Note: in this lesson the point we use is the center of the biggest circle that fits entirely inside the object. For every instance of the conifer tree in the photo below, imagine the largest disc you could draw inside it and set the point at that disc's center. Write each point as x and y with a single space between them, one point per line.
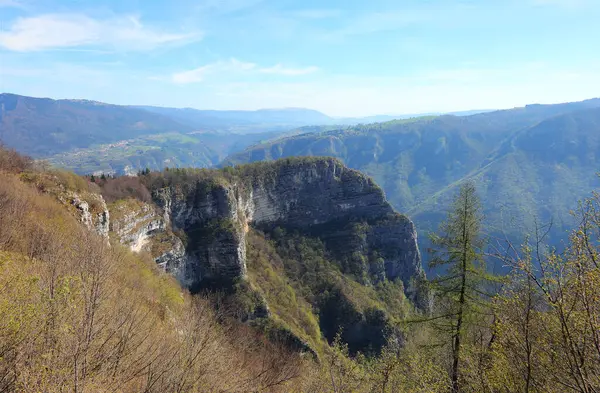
457 255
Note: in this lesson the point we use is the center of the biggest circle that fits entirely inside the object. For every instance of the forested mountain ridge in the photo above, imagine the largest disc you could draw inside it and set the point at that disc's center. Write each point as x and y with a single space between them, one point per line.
93 137
41 126
536 174
418 163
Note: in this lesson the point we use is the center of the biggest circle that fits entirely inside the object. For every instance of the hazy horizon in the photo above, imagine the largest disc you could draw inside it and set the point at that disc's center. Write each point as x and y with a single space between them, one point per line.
433 112
270 108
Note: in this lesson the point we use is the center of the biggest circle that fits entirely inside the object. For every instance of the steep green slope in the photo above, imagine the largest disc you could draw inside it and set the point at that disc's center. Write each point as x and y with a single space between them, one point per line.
312 299
536 174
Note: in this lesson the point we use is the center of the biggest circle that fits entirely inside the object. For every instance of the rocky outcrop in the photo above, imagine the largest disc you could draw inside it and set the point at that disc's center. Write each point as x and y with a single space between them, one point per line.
135 222
97 220
76 195
143 228
214 231
317 196
90 208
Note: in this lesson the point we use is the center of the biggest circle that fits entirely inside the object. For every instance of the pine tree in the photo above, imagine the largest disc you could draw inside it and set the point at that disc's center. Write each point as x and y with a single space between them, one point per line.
93 179
457 253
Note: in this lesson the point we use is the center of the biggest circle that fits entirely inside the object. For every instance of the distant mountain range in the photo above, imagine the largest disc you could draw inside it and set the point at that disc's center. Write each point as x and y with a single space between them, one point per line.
384 118
243 121
531 163
42 127
273 119
93 137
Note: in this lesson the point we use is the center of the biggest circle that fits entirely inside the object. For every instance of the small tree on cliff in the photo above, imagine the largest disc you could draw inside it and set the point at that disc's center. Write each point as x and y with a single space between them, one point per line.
459 288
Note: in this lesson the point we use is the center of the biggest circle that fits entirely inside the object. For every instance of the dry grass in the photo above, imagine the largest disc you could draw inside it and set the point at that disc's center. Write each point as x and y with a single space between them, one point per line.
79 315
13 162
114 189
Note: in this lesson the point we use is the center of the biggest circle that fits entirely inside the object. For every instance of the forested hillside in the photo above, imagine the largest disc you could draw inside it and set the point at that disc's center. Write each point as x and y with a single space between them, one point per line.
531 163
536 175
93 137
42 126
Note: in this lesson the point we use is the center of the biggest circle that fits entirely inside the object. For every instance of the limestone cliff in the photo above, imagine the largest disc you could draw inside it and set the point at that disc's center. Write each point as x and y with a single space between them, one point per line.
91 209
318 196
142 227
306 247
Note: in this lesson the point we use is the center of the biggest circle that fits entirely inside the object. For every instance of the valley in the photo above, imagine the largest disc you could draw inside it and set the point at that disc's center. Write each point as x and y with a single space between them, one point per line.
309 241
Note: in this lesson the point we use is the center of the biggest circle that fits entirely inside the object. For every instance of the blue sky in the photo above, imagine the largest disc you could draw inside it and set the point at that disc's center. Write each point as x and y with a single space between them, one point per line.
343 57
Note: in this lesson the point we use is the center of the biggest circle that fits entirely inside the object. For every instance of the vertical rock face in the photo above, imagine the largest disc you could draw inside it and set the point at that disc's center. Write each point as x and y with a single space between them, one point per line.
402 257
91 209
309 194
142 227
214 235
319 197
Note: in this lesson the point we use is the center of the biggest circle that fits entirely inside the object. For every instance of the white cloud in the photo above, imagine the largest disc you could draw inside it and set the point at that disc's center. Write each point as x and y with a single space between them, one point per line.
11 4
234 66
59 31
191 76
200 73
279 69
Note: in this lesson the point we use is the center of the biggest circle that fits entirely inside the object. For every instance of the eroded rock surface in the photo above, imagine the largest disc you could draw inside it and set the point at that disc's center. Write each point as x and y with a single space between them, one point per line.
319 197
